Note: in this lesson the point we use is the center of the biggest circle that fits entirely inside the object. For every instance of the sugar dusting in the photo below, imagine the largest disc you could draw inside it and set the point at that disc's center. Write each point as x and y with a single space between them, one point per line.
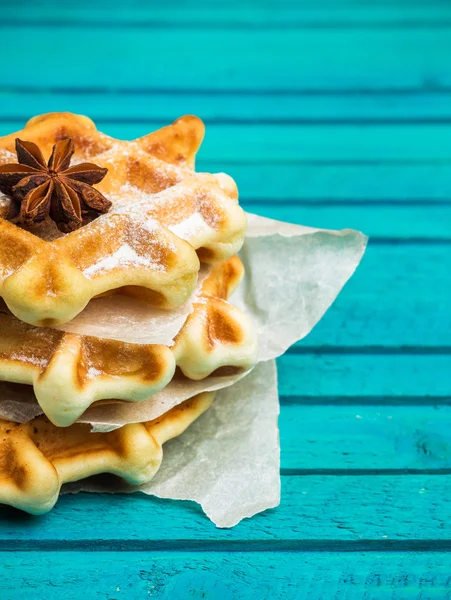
179 208
190 227
29 358
93 373
124 256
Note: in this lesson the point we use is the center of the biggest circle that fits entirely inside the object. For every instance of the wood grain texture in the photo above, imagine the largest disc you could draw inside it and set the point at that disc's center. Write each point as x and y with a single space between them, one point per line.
227 575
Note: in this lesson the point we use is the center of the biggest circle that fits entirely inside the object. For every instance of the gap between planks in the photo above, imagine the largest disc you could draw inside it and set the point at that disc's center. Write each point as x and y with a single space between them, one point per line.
243 545
362 472
56 89
294 400
234 16
215 25
248 121
370 350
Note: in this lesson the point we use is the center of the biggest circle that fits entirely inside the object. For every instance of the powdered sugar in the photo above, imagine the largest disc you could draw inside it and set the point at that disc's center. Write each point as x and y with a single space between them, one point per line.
125 256
131 199
190 227
30 359
127 195
93 373
179 208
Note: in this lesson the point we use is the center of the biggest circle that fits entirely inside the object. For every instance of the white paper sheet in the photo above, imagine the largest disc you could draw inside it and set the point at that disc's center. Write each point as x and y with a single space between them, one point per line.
293 274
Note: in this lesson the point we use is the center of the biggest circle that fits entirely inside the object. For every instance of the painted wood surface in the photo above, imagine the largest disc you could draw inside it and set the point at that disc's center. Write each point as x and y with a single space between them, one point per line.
324 509
365 438
397 298
229 575
332 114
392 222
259 59
357 376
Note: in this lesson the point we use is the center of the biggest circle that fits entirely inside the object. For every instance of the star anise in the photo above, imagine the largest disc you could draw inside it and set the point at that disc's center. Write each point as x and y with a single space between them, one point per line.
55 189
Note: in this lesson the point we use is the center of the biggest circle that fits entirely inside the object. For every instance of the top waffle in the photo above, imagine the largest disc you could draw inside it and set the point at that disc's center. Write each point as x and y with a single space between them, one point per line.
165 218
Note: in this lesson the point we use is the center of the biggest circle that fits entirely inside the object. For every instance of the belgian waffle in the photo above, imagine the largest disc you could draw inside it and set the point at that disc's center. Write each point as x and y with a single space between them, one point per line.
164 219
36 458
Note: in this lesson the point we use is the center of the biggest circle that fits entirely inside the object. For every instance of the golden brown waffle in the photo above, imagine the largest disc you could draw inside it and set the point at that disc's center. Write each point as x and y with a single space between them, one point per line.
69 372
164 218
36 458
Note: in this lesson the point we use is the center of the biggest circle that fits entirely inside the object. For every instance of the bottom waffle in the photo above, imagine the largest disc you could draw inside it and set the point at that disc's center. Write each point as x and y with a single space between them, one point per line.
36 458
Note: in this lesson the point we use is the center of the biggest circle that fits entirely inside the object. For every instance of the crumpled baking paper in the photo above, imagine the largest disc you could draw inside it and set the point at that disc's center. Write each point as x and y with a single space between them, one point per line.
293 274
228 460
132 320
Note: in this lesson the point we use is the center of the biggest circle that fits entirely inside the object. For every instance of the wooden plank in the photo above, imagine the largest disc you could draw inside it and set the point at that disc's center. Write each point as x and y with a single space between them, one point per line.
341 377
316 508
399 297
275 144
311 182
231 59
401 222
327 184
327 438
225 575
164 107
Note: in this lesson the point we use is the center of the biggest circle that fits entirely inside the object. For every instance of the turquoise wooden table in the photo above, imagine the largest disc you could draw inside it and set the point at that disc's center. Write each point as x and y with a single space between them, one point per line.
334 114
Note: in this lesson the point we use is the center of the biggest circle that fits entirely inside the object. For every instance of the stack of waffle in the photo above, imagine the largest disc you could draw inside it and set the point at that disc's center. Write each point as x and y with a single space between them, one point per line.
83 215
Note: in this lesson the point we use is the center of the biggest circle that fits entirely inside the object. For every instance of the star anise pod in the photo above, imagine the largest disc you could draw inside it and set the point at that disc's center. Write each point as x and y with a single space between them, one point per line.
55 189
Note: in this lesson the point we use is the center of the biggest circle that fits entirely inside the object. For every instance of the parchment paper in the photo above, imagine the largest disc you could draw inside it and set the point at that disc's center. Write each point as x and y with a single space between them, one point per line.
228 461
131 320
